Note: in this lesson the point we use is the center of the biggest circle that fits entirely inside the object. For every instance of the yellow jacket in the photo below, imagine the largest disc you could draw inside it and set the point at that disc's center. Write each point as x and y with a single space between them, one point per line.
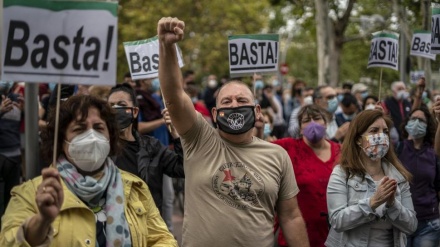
75 225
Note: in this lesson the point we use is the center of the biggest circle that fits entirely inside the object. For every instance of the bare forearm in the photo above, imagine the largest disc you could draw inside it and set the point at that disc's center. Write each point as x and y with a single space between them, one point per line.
417 103
170 75
295 232
145 127
36 230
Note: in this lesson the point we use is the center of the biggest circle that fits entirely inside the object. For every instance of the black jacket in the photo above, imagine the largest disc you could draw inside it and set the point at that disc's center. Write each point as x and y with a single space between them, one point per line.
394 110
154 160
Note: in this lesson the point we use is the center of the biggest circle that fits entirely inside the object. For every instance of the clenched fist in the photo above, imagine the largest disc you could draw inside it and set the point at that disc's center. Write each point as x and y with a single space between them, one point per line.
170 30
50 195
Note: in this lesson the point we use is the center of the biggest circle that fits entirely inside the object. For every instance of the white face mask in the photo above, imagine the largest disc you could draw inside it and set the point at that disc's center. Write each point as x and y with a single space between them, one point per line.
308 100
212 83
370 107
88 150
402 94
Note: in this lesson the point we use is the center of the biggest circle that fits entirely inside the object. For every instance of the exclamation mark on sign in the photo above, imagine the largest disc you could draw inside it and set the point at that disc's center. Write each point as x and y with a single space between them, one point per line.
276 52
107 50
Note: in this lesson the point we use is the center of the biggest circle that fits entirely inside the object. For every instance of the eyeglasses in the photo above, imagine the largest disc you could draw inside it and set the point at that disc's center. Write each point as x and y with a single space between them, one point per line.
329 97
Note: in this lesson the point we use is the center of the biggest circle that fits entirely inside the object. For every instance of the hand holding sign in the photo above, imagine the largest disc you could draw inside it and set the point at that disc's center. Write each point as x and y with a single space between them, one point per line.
170 30
143 58
420 87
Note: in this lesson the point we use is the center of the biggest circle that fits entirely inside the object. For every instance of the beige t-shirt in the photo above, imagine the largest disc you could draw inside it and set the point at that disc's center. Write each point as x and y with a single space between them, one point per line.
231 190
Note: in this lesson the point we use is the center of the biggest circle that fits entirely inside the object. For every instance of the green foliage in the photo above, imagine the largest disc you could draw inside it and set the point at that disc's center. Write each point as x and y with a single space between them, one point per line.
207 26
302 55
208 23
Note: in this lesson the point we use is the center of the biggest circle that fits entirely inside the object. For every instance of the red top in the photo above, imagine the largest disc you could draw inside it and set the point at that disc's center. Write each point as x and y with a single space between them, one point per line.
312 176
200 107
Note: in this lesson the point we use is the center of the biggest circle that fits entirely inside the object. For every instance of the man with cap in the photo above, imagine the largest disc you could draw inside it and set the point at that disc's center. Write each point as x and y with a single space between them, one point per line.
360 91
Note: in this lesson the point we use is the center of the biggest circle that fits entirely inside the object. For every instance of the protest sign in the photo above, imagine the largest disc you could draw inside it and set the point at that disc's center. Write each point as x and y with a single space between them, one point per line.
416 75
249 54
59 41
384 51
143 58
435 28
421 44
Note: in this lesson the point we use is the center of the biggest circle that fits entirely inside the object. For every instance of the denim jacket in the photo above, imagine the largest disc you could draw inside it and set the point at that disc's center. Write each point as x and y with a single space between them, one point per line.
350 214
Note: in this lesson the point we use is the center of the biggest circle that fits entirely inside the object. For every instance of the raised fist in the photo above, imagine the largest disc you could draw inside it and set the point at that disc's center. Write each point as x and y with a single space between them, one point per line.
170 30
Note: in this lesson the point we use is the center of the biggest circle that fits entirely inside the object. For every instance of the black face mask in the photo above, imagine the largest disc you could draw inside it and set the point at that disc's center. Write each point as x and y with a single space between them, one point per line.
124 116
236 120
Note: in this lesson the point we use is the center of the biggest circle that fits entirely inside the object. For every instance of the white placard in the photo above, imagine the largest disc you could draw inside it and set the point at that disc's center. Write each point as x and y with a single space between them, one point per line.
384 51
416 75
421 44
59 41
143 58
249 54
435 28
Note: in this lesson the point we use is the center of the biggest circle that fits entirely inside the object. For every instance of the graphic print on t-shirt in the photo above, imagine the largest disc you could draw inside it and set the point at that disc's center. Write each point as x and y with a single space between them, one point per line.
237 185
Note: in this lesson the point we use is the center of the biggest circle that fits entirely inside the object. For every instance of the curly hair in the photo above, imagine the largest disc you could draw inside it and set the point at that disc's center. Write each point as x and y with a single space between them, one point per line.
76 108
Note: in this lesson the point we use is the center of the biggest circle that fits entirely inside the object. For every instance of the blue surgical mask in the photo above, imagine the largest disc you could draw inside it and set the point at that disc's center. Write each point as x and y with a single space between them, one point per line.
275 83
267 129
155 85
340 97
259 84
364 95
332 105
416 128
424 95
52 86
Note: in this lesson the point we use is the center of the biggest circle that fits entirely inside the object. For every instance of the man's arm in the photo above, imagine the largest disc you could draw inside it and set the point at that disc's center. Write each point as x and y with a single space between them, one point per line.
146 127
418 94
181 109
292 223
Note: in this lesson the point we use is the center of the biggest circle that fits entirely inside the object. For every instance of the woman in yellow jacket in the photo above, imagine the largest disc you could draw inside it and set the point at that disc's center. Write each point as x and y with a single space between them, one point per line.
83 200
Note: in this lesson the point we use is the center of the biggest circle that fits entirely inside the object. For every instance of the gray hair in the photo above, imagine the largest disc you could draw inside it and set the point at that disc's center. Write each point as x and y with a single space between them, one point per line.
394 85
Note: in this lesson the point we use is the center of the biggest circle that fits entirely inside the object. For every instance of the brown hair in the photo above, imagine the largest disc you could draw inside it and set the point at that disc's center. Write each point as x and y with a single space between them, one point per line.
312 111
351 151
69 111
431 125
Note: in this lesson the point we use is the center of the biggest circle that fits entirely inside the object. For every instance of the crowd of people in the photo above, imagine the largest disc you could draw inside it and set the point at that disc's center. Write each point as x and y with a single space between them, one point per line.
266 163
